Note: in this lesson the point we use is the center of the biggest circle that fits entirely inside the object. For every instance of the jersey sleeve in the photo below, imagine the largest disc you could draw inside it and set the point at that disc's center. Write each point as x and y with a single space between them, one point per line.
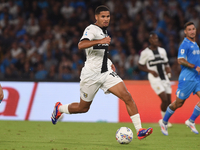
143 58
165 56
109 62
182 51
89 34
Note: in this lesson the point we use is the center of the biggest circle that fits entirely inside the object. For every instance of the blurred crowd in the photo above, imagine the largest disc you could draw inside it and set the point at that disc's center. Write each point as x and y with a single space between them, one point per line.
39 38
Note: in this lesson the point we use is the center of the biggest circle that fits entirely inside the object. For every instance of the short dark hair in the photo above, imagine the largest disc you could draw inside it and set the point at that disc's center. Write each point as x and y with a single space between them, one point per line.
100 9
188 24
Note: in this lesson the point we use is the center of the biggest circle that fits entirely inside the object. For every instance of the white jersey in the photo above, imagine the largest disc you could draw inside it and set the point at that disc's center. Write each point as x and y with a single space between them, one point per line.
96 56
156 61
97 72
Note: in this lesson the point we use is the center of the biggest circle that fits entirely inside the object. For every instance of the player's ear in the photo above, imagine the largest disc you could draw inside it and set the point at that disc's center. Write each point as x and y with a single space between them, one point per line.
96 17
185 32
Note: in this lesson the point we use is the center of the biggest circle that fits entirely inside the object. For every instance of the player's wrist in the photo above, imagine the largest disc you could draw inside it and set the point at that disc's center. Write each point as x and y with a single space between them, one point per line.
169 75
195 66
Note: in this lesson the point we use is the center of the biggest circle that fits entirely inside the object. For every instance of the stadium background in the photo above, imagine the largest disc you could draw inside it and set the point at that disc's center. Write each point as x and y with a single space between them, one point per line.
38 42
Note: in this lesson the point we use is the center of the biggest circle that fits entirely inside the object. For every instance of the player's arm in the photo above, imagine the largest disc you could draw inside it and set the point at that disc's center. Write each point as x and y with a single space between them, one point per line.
182 54
168 70
86 43
144 68
185 63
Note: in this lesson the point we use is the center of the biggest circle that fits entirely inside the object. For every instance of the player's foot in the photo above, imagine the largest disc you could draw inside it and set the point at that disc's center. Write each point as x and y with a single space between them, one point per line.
169 125
163 128
56 113
191 126
142 133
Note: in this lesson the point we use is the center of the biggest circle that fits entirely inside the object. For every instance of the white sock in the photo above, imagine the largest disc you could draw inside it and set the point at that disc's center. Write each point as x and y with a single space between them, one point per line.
136 121
163 113
64 109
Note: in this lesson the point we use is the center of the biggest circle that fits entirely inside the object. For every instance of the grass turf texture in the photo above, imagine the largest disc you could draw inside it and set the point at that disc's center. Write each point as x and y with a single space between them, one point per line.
31 135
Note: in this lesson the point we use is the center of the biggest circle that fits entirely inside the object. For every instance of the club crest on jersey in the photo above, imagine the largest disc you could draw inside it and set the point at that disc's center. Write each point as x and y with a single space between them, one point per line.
85 95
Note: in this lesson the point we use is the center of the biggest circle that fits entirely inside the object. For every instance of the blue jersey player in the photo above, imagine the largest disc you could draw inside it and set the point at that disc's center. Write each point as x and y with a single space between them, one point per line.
189 78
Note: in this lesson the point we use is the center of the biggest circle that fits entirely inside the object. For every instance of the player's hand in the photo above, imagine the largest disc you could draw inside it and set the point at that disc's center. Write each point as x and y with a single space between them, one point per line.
105 40
198 69
154 73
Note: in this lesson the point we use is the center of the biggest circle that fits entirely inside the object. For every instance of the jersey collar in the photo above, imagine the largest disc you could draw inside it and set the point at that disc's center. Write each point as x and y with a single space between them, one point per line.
187 40
102 28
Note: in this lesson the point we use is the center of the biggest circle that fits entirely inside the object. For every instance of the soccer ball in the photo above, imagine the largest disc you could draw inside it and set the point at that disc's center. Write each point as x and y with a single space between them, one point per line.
124 135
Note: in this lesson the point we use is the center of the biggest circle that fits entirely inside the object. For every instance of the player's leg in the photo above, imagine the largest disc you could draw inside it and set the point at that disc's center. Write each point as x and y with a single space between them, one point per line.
87 92
169 112
121 92
196 112
161 89
73 108
172 107
185 88
164 103
166 100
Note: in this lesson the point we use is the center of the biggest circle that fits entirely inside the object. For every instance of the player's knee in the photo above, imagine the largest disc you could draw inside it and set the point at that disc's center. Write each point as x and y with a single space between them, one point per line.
178 105
126 97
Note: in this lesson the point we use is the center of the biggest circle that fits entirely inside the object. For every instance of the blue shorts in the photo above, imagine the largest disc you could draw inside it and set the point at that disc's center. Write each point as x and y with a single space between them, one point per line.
185 88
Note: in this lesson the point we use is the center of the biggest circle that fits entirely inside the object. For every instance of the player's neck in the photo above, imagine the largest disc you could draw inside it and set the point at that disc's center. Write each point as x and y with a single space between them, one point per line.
152 47
191 39
104 28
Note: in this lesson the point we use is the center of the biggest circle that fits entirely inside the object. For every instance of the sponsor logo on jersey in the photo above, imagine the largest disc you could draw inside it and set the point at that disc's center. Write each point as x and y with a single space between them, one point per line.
103 45
195 52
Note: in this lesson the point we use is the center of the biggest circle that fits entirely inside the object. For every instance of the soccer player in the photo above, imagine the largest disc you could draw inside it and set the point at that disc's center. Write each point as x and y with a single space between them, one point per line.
99 73
1 94
189 78
154 60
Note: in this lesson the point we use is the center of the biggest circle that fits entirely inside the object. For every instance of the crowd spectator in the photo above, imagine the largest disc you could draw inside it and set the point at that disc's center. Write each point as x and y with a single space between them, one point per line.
39 38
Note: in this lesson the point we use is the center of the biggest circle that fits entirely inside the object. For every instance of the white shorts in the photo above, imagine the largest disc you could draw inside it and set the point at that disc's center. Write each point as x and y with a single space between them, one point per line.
161 86
104 81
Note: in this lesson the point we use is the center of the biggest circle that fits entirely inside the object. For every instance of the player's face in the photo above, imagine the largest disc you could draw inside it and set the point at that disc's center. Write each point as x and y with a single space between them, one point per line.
190 31
103 18
154 40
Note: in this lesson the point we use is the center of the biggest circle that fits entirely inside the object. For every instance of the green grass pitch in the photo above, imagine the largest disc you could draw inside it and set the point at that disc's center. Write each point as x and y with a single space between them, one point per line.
32 135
